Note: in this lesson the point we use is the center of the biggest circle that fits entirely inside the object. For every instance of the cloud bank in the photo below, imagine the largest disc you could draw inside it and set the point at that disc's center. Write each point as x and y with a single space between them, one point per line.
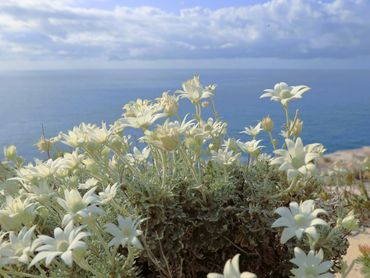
39 30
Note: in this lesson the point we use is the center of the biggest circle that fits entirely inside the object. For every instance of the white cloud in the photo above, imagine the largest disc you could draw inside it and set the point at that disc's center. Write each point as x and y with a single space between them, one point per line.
288 29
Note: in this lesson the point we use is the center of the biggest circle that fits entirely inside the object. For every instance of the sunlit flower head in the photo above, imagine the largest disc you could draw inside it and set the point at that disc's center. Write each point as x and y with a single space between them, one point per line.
141 114
22 244
89 183
41 170
225 156
108 193
253 130
126 233
169 103
16 212
167 136
193 90
299 219
311 265
78 207
10 152
231 270
137 156
251 147
64 244
297 159
284 93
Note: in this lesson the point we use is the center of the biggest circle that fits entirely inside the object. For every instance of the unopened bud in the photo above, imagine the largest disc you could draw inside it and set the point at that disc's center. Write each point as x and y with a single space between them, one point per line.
349 223
297 129
205 104
267 124
10 152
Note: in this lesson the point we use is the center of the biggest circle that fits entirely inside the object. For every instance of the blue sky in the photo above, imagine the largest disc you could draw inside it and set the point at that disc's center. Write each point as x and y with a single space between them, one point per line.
39 34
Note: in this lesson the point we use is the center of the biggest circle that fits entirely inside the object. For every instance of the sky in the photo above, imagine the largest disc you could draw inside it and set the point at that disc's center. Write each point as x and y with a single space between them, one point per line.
63 34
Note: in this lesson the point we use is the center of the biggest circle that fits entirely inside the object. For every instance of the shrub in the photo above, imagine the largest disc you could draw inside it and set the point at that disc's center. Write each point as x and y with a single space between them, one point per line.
178 202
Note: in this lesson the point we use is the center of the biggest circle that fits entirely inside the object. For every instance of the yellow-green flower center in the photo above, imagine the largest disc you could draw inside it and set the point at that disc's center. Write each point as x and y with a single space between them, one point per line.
299 219
62 245
310 271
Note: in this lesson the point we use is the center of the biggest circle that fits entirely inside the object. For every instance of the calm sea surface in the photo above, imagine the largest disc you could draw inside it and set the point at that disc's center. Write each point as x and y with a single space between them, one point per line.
336 112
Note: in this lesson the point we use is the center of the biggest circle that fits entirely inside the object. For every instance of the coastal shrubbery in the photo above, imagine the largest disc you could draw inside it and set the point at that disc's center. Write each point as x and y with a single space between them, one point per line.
182 200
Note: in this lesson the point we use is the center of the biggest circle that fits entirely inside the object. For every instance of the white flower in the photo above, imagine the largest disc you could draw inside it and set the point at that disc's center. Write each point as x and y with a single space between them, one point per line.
41 170
252 147
17 212
167 136
284 93
40 191
22 244
125 233
10 152
89 183
79 207
193 90
298 220
138 156
141 114
311 265
64 244
224 156
109 193
253 130
7 255
297 159
169 104
231 270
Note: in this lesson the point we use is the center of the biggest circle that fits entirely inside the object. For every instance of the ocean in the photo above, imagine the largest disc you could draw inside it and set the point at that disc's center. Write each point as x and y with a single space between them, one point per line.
336 112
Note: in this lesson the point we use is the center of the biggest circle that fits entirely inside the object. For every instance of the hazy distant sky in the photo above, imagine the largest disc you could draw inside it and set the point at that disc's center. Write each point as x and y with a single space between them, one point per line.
175 34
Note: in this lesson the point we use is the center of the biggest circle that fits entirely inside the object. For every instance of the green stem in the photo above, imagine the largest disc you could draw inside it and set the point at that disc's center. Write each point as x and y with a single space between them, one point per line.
188 162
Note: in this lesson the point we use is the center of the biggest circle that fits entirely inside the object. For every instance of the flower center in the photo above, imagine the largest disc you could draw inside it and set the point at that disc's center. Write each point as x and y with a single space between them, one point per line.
127 232
285 94
310 271
62 246
77 206
300 219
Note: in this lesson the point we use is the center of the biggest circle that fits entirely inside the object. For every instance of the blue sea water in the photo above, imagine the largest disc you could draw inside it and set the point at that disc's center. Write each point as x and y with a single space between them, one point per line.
336 112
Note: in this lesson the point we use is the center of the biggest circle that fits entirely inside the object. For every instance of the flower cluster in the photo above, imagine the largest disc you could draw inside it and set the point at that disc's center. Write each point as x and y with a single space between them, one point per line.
79 212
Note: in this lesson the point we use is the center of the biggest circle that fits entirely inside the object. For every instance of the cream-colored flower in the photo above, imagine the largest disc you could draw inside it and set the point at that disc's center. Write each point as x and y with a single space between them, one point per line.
44 144
224 156
79 207
193 90
89 183
41 170
251 147
167 136
253 130
16 212
169 103
297 159
7 255
231 270
299 219
64 244
138 156
108 193
311 265
284 93
126 232
267 124
22 244
141 114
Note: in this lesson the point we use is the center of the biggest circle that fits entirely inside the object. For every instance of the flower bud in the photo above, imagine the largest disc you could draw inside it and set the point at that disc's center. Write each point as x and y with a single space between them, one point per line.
297 129
10 152
349 223
267 124
364 249
205 104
